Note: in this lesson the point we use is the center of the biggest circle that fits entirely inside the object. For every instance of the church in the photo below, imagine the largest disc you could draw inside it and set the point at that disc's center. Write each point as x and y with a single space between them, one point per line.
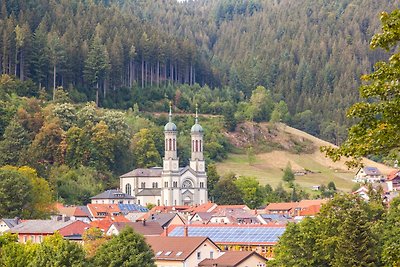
171 185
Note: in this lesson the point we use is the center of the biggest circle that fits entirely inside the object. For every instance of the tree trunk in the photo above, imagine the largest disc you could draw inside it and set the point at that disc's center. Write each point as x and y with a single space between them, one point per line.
191 74
16 60
54 81
158 73
151 74
165 73
142 72
97 94
21 67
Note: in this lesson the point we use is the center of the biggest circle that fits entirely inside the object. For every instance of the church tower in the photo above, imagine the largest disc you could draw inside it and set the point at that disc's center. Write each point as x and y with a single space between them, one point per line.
197 158
171 160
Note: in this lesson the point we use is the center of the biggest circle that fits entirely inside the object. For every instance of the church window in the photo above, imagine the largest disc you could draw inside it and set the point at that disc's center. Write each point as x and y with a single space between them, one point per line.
197 146
187 184
175 183
155 185
193 146
143 185
200 147
201 184
170 144
165 184
174 144
128 189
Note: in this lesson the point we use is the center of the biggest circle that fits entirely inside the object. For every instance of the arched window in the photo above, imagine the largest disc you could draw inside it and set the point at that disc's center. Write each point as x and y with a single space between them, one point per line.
170 144
197 146
174 144
192 145
128 189
201 148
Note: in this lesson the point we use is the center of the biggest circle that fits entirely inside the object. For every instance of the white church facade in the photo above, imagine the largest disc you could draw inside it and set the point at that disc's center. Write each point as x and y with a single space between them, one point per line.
171 185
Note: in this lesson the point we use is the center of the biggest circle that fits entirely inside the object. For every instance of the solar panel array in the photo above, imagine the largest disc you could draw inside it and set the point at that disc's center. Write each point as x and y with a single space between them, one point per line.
233 234
132 208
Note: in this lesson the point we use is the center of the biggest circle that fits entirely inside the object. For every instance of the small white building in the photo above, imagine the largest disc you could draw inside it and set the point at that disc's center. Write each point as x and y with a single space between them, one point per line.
369 175
113 197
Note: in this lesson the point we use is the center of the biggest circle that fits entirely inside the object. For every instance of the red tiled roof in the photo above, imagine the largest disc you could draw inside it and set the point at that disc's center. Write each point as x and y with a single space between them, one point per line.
393 174
311 210
305 203
105 223
75 228
285 206
143 228
108 209
206 207
223 207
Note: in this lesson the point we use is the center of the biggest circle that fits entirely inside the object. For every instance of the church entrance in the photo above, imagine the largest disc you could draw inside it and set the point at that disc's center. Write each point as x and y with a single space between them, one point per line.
187 201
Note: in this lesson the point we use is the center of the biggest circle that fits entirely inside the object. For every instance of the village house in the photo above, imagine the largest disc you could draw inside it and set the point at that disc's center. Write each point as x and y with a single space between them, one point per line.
283 208
35 230
113 196
258 238
7 224
393 181
236 259
182 251
368 175
100 211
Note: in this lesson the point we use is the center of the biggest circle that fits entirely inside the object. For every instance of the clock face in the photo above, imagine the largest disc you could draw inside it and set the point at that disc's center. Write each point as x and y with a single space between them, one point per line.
187 184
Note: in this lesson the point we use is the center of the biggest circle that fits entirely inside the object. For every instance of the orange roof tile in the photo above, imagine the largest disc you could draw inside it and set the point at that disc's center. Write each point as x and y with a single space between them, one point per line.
393 174
75 228
97 210
311 210
285 206
311 202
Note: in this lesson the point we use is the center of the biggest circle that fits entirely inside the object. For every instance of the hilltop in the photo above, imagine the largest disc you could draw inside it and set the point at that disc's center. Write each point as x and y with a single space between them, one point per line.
275 146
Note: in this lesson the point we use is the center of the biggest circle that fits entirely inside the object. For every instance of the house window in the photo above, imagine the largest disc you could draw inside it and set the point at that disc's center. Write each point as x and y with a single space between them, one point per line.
138 201
40 239
211 254
158 202
175 184
128 189
199 255
25 238
175 202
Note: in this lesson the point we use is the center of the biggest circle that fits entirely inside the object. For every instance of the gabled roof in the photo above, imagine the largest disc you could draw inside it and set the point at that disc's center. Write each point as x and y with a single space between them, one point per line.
225 207
39 227
206 207
76 228
393 174
143 228
371 170
311 210
77 211
305 203
231 259
112 194
205 216
175 248
150 192
11 222
82 211
150 172
98 210
284 206
185 169
105 223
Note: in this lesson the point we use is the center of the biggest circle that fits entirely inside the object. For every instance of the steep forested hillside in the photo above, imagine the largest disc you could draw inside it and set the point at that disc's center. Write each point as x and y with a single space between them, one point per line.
308 54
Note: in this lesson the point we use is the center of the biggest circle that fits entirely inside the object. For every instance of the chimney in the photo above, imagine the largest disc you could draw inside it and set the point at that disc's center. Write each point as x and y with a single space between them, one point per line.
144 222
185 231
166 231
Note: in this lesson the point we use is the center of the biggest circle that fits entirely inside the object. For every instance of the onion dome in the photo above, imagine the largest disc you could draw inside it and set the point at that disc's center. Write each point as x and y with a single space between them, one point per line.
196 128
170 126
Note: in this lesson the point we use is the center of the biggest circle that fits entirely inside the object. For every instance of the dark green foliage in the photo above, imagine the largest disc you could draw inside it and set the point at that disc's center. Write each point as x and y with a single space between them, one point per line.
288 175
14 144
15 194
126 249
55 251
226 192
343 234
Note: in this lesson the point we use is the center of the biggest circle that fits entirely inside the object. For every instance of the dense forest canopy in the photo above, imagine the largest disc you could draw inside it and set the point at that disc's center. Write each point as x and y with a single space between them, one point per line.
309 54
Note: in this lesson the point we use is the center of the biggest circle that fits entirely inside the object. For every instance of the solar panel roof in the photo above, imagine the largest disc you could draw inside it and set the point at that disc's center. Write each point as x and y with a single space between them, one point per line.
132 207
233 234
